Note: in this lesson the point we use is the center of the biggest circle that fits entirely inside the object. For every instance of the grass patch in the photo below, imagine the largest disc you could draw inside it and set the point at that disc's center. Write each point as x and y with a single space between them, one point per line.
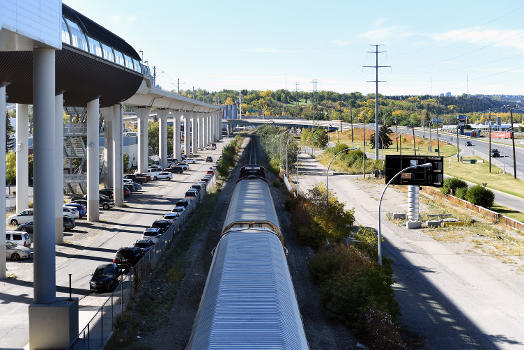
511 213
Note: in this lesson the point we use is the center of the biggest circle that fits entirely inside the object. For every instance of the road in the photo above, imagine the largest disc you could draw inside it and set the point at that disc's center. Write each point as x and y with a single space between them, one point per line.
454 300
88 246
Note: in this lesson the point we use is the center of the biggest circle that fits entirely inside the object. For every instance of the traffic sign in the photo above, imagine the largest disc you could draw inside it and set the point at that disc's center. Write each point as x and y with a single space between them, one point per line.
433 176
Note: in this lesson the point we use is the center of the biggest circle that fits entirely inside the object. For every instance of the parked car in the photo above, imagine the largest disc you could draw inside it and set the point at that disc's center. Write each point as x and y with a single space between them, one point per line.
16 252
153 172
209 159
197 187
24 216
191 161
178 210
127 257
130 177
130 188
105 278
192 193
18 237
108 192
468 143
162 224
210 172
144 175
206 179
172 216
495 153
152 233
136 186
81 209
144 244
184 165
182 203
164 175
214 146
70 212
69 224
176 169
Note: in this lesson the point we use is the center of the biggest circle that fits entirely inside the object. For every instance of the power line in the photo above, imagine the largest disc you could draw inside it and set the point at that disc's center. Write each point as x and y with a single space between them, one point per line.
376 81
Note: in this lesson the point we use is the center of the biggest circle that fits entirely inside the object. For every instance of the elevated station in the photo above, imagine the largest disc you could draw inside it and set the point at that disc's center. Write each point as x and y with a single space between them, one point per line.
69 61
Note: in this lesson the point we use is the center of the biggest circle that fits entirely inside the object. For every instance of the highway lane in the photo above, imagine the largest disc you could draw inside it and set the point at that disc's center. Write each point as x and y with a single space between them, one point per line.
452 298
90 245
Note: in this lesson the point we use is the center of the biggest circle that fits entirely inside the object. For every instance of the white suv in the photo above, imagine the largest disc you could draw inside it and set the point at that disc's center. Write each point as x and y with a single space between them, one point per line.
23 217
154 172
18 237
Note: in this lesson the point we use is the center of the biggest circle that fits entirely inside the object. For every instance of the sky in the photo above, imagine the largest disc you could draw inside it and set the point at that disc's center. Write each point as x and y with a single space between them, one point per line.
433 47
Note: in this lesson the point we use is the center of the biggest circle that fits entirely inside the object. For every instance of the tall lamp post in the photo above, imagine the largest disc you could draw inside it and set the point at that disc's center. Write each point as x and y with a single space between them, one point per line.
425 165
329 166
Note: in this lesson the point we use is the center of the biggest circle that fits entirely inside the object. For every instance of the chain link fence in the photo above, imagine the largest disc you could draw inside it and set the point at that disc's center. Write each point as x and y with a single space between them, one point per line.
100 327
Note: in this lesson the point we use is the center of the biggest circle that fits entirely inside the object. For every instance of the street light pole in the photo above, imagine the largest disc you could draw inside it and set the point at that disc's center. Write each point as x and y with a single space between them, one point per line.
425 165
329 166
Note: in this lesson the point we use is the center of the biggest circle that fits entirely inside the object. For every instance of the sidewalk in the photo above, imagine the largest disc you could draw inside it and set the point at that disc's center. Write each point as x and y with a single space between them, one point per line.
454 299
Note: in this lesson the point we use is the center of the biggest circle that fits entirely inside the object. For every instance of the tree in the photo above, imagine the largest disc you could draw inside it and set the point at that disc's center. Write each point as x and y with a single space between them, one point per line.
126 161
229 101
320 138
384 141
152 130
9 133
10 169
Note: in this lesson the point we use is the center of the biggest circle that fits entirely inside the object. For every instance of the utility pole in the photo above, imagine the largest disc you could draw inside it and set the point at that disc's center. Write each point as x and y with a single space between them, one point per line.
396 132
513 141
414 144
458 148
296 95
489 131
315 84
240 104
178 86
154 75
376 81
351 115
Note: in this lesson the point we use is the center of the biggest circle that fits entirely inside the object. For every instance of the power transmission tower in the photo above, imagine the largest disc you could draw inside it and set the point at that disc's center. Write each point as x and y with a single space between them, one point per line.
296 93
376 81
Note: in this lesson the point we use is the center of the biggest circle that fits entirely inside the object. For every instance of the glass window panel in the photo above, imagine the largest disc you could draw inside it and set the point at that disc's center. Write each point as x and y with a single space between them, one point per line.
129 62
108 53
78 38
65 33
119 58
94 47
137 66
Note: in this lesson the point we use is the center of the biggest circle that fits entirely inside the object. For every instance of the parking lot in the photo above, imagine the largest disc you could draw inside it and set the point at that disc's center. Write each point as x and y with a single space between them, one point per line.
92 244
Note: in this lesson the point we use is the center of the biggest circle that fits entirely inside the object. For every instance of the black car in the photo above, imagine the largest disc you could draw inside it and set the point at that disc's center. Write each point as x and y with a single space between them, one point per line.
495 153
69 224
162 224
108 192
144 244
127 257
468 143
182 203
130 187
197 187
105 278
175 169
209 159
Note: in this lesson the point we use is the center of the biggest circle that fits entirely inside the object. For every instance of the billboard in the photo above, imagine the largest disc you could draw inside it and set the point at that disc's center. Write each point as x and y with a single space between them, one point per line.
433 176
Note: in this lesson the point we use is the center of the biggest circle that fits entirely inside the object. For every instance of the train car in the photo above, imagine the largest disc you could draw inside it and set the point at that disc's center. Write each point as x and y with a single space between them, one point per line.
249 301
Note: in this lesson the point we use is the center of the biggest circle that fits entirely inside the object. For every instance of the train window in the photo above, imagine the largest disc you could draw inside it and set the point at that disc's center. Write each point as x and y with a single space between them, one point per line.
65 33
94 47
138 68
129 62
108 53
78 38
119 58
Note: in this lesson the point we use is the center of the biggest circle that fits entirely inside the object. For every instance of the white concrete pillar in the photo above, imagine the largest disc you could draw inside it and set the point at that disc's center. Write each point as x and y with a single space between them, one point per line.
107 114
201 129
22 163
59 168
219 125
213 127
118 166
209 138
93 115
194 142
143 139
44 193
162 137
187 129
176 134
2 180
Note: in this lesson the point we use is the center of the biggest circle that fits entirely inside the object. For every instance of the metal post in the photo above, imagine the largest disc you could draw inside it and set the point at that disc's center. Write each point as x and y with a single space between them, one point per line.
70 297
513 143
489 128
102 324
414 143
458 148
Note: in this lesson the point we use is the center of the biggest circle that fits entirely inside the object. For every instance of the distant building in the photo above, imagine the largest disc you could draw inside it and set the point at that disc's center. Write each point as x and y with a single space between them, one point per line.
230 112
448 94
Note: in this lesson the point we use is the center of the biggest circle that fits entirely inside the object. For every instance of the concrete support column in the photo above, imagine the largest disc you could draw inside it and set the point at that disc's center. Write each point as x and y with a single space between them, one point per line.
44 175
176 135
107 114
194 138
22 164
118 167
213 127
201 131
219 125
209 130
93 115
143 142
162 137
2 180
187 128
59 168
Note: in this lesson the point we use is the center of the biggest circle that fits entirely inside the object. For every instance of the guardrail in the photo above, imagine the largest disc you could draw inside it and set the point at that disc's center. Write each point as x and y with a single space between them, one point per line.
100 327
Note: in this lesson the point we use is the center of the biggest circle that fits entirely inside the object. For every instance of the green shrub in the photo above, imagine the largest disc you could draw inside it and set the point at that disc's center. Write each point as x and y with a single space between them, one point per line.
355 157
461 192
479 195
451 184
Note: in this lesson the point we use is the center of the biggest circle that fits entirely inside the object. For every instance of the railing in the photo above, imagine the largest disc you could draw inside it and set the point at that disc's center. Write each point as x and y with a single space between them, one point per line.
75 129
100 327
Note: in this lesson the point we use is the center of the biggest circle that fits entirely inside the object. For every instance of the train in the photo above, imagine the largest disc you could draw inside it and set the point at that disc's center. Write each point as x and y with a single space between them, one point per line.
249 301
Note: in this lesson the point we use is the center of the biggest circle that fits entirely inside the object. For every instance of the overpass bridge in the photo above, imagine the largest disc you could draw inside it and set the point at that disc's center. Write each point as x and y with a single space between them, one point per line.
69 61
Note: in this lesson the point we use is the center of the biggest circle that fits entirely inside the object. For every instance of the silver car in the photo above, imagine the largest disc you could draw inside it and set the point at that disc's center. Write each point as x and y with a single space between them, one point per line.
17 252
